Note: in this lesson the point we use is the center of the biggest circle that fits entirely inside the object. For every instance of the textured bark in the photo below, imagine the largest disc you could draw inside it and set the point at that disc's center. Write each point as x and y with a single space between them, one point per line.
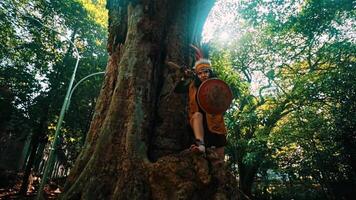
38 137
139 126
247 175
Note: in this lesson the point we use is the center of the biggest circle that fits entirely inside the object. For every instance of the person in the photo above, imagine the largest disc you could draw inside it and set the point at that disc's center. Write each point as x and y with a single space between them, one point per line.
209 130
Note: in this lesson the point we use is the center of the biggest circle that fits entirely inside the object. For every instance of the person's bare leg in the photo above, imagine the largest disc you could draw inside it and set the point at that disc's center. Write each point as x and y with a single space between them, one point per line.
197 126
198 129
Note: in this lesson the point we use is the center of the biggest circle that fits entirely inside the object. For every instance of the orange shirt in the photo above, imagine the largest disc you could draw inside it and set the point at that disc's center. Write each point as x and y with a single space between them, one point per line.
215 122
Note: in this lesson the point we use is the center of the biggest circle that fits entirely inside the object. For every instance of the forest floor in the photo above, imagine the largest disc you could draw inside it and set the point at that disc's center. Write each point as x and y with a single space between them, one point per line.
10 184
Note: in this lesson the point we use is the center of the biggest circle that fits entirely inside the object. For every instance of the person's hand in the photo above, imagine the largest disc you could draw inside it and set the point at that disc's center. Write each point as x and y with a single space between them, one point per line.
188 72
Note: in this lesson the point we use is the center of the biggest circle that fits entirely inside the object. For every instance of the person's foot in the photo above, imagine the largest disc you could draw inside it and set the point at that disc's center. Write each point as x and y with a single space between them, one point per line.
198 149
199 146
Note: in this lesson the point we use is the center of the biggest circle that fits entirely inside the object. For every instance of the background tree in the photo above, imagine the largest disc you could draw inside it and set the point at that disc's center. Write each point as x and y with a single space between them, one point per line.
36 64
293 49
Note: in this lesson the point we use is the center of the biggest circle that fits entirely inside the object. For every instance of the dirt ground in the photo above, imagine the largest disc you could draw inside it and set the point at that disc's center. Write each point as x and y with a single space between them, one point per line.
10 184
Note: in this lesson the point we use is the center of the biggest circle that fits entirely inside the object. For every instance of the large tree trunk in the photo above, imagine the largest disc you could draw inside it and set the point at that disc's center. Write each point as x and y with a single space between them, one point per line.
139 126
246 179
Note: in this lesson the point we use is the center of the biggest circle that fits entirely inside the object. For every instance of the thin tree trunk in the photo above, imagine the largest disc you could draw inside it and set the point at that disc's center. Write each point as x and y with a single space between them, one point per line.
31 159
246 178
39 156
35 139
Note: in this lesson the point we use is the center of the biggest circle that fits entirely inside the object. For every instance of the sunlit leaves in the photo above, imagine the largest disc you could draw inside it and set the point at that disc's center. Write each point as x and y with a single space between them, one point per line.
97 11
37 57
222 21
299 121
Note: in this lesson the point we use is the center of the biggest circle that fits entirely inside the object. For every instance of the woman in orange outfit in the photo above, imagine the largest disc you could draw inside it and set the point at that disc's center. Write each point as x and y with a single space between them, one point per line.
209 130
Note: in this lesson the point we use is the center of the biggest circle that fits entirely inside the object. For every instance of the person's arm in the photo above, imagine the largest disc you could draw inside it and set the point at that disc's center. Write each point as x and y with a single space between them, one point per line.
182 86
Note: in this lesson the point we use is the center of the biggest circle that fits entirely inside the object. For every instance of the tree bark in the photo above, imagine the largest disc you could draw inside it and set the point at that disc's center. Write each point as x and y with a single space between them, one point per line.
38 136
139 125
246 179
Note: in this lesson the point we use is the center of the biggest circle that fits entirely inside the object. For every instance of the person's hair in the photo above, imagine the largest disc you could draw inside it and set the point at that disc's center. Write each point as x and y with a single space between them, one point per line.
197 81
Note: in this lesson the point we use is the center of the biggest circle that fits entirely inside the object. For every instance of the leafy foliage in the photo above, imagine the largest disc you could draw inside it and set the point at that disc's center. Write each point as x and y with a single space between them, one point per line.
292 124
37 59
